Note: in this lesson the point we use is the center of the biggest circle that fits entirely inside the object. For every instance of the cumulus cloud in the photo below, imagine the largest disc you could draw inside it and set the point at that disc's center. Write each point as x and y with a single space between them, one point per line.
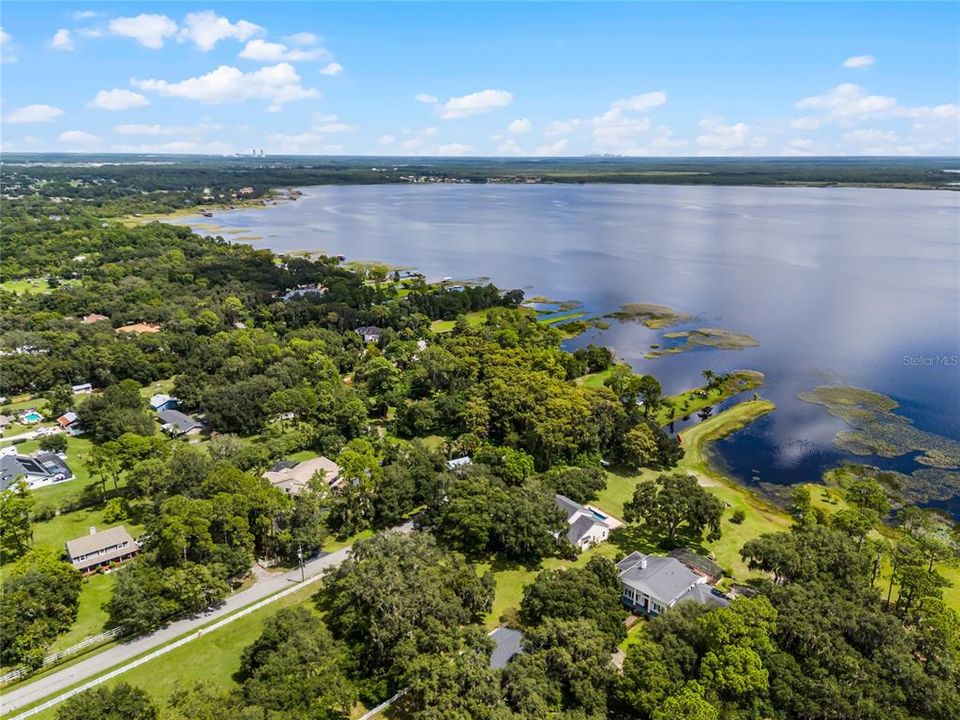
333 68
871 135
859 61
148 29
386 140
177 147
278 84
807 122
78 137
32 114
621 127
8 52
425 98
84 14
508 146
474 104
453 149
205 29
562 127
848 101
519 126
266 51
160 129
415 140
62 40
118 99
639 103
303 38
554 148
718 137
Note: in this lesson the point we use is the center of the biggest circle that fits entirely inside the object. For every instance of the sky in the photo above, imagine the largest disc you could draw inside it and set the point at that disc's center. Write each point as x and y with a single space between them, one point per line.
484 79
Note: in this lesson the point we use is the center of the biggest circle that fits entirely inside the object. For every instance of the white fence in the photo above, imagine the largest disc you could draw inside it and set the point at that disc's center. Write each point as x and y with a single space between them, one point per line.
56 657
164 650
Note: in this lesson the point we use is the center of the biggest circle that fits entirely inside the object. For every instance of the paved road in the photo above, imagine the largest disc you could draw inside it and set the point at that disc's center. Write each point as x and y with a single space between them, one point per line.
31 692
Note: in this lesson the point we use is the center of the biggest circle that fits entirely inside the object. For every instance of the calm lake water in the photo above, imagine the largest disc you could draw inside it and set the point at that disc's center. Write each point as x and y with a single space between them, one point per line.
840 286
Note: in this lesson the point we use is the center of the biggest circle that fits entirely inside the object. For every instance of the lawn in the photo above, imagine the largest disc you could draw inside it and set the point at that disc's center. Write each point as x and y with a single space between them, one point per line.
690 401
478 317
37 286
594 379
553 319
91 617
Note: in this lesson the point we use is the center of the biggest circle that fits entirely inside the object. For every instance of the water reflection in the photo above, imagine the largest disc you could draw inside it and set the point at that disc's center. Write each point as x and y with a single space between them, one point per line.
846 284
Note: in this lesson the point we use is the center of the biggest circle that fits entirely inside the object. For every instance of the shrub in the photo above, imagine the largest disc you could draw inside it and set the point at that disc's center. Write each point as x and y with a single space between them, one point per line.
738 516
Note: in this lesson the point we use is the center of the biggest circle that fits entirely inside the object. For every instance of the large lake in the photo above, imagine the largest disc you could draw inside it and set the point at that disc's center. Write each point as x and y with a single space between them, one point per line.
843 286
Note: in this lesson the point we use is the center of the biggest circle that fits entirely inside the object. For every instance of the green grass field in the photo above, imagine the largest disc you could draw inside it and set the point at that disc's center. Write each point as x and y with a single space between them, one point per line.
91 617
474 319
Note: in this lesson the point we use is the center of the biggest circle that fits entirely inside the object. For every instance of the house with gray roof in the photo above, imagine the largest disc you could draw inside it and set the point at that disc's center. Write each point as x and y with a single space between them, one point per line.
37 470
177 424
99 549
369 333
652 584
458 463
585 525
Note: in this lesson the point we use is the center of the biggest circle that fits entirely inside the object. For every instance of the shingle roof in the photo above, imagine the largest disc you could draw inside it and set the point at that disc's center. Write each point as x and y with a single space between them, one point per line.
705 595
569 507
182 422
579 527
294 477
100 540
664 578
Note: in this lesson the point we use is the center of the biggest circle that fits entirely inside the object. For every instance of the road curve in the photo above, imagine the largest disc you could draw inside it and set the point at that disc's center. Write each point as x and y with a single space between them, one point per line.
28 693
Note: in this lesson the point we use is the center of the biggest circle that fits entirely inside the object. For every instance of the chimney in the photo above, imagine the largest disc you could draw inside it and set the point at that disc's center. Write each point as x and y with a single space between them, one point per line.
643 563
93 529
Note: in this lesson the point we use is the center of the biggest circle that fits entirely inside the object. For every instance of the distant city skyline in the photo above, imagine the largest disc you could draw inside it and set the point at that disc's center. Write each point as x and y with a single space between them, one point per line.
483 79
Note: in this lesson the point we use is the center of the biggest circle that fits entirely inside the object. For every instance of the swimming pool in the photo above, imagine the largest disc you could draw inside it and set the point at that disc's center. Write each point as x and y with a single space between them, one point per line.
31 417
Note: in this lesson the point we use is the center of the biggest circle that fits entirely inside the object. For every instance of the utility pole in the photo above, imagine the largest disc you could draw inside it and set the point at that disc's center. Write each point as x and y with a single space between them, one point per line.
300 561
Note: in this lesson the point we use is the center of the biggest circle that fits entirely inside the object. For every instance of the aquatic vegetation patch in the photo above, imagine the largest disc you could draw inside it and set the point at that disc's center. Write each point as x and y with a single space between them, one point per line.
875 429
704 338
652 315
920 486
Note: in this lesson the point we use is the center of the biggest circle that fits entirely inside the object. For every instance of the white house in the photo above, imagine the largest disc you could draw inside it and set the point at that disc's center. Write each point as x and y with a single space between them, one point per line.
586 526
82 389
458 463
651 584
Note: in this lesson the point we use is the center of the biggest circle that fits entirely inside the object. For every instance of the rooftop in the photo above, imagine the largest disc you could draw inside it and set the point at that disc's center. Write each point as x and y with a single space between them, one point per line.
664 578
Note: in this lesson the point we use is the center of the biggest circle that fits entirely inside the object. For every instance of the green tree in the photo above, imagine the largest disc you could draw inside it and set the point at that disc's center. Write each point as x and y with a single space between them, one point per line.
16 507
122 702
640 446
672 502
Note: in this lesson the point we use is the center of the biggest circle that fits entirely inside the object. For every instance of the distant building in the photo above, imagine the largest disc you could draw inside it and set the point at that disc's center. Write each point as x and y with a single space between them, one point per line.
139 328
458 463
99 549
303 290
160 401
82 389
93 318
585 526
70 423
652 584
369 333
37 470
178 424
294 477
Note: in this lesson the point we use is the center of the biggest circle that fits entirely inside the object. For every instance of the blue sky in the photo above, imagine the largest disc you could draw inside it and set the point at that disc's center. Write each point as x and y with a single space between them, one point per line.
482 79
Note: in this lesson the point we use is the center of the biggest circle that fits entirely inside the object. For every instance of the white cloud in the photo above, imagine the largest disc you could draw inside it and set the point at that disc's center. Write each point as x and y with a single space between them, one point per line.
386 140
84 14
859 61
303 38
89 32
416 140
333 68
948 111
266 51
118 99
519 126
639 103
871 135
279 84
848 101
205 29
159 130
453 149
474 104
808 122
32 114
335 127
306 143
147 29
177 147
425 98
62 40
554 148
508 146
718 137
8 52
78 137
562 127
